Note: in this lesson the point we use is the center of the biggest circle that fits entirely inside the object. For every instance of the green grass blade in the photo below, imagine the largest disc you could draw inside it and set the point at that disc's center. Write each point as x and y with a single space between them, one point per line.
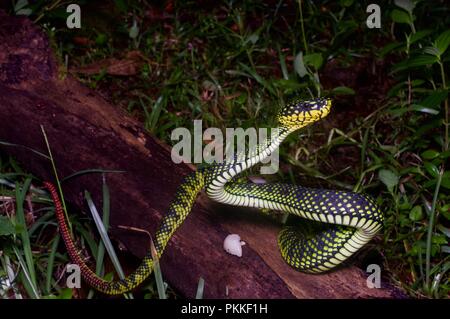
438 278
43 221
99 268
55 172
50 264
87 237
104 236
106 214
200 288
20 214
157 271
90 171
7 183
258 78
6 263
25 147
27 281
430 230
363 149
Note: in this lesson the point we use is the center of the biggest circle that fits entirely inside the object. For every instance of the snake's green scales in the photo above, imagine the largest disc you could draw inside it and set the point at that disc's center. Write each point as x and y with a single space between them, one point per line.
355 217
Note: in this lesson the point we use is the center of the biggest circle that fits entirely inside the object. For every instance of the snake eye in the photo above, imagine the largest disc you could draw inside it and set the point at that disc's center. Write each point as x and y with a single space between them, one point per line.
298 113
318 104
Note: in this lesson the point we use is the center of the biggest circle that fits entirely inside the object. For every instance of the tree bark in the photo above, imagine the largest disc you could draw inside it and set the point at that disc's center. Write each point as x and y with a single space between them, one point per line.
85 132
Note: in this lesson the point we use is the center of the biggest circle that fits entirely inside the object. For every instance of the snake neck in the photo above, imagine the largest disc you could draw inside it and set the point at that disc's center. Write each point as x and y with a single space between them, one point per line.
260 151
217 176
328 206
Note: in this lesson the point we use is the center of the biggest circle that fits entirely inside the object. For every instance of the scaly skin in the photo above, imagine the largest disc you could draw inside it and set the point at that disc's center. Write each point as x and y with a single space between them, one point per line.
353 218
178 211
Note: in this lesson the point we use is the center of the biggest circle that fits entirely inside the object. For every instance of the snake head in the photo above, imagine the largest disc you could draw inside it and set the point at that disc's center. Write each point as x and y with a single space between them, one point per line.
300 113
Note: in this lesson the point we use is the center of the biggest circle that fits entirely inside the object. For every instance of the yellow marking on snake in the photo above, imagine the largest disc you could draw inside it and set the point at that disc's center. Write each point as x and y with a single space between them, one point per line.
353 218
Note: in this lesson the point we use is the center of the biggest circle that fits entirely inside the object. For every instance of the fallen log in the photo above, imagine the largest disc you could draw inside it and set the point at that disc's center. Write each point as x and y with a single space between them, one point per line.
86 132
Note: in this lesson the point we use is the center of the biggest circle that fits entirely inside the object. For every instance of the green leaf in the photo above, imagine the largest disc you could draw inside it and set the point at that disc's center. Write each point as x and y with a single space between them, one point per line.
418 247
435 98
432 51
299 65
416 213
290 84
283 66
445 231
134 30
390 47
20 4
101 39
252 73
403 221
405 205
419 35
346 3
445 211
443 41
445 154
446 180
395 89
431 169
414 62
24 12
314 59
121 5
439 239
343 90
6 227
109 276
407 5
65 293
388 177
420 108
430 154
400 16
252 38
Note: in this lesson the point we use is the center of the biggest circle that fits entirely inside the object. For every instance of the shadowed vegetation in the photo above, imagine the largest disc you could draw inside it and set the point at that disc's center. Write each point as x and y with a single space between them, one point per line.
232 64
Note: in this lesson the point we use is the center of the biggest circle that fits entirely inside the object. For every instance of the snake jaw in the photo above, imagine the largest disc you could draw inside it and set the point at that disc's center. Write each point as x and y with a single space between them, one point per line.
298 114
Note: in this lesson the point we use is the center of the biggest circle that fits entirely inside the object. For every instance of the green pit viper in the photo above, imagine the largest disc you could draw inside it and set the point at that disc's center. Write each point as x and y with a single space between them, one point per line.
355 217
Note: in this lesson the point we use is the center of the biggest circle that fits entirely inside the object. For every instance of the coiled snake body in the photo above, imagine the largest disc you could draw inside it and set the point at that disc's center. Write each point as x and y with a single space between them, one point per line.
355 217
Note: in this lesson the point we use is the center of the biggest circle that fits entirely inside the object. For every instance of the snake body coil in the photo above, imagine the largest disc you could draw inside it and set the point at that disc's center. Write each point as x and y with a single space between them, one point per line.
353 218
